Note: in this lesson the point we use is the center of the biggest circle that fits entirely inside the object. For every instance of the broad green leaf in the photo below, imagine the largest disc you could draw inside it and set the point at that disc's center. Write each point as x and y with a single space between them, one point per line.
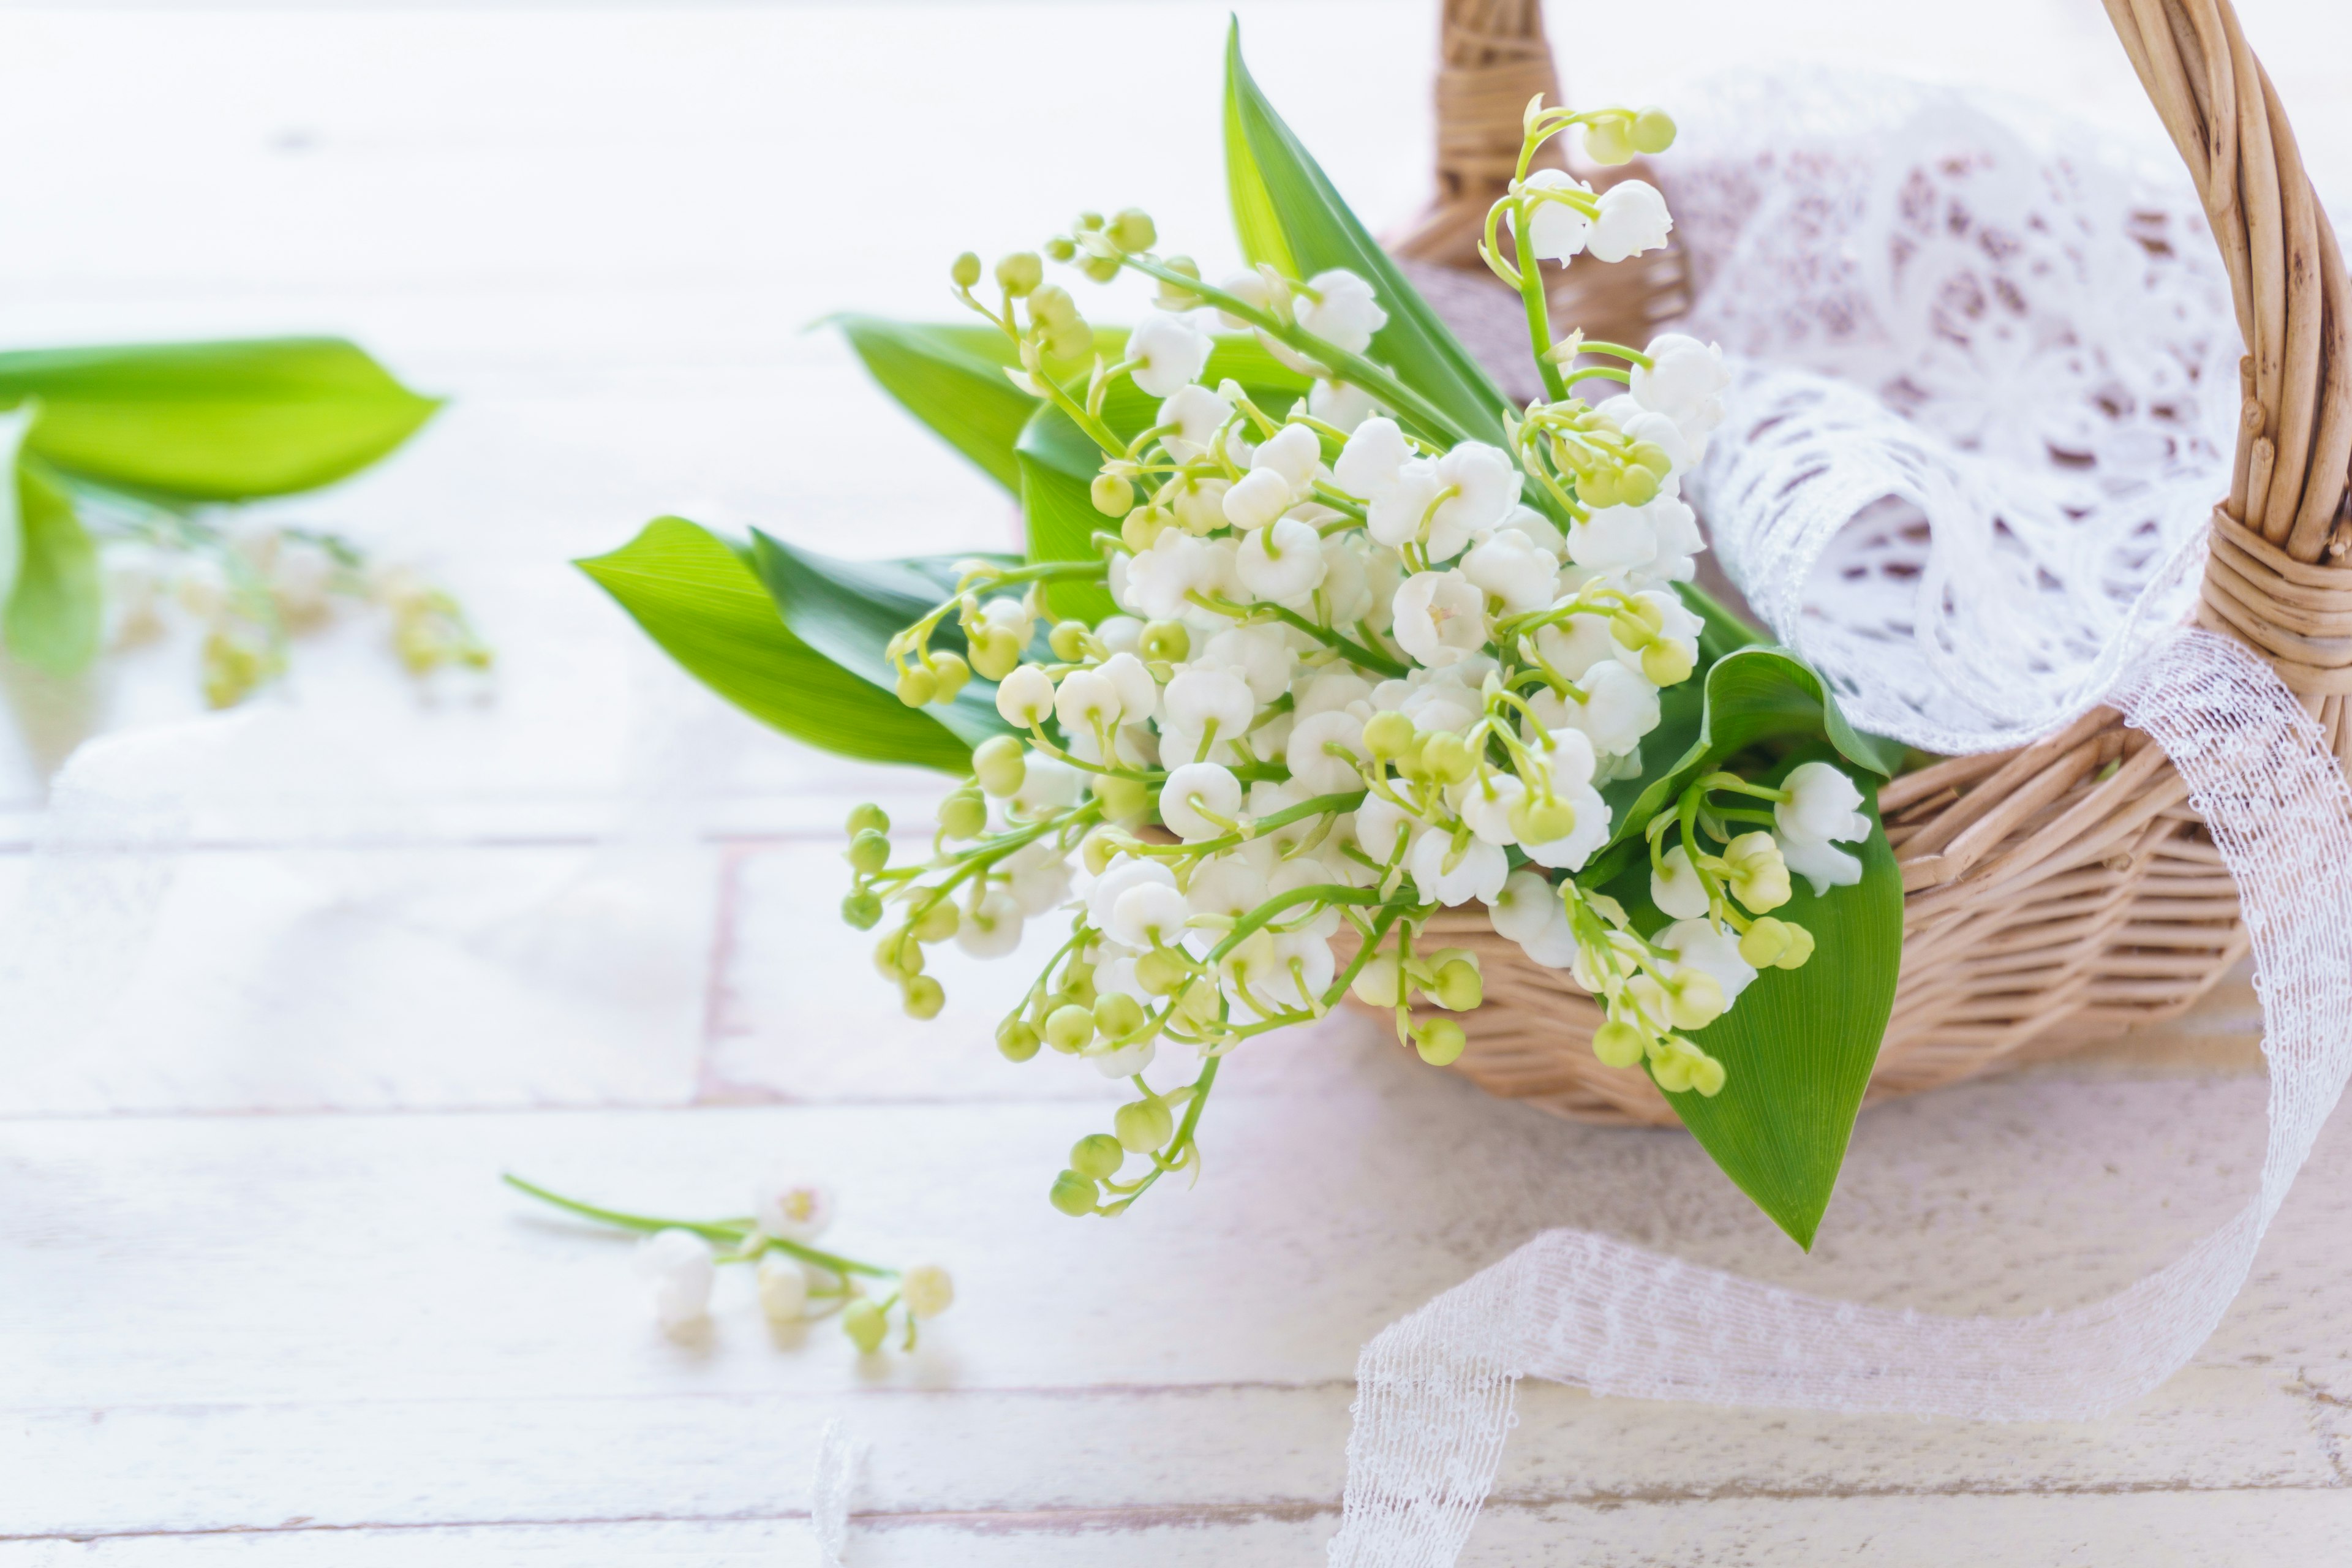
213 422
54 615
1287 213
1722 631
850 610
13 427
1749 697
696 595
1798 1046
953 379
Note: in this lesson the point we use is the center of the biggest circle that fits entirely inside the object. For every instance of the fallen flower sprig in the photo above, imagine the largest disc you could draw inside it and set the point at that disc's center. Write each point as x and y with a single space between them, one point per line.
798 1282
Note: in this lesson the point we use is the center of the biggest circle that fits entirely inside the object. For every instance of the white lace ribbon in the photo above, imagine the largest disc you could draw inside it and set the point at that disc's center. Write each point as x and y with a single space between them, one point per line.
1434 1390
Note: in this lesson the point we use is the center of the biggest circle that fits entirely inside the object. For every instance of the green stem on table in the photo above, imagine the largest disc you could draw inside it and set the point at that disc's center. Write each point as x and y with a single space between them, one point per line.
731 1232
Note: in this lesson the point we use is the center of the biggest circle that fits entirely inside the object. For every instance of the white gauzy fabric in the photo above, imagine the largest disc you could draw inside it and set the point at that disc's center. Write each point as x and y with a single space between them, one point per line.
1984 405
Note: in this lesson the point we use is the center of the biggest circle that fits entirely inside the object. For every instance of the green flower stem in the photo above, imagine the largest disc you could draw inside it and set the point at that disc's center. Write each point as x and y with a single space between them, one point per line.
731 1232
1619 351
1319 892
1353 653
1353 368
1531 291
1180 1143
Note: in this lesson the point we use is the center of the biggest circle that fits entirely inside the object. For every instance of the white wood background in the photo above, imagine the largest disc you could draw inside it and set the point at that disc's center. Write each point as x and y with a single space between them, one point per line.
261 1298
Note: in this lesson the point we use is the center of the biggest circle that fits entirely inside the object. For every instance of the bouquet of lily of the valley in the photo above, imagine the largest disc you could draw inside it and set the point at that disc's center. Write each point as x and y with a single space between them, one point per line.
1314 635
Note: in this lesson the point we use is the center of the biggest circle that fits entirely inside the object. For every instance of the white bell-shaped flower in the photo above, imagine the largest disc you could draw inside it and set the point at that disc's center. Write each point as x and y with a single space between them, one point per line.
1679 542
1556 230
1206 694
1125 1062
1486 805
1822 804
1047 784
1038 877
1508 564
1675 887
1683 377
1633 218
1282 562
1398 511
1198 503
1335 689
1381 825
1257 497
1198 415
1484 483
1537 530
1441 617
1314 767
1293 451
791 1207
1576 644
1251 289
992 928
1025 696
1118 878
1710 949
1337 306
1259 654
1524 907
1086 701
1194 795
1555 946
1370 461
1615 539
1571 850
678 1272
1138 694
1148 914
1011 617
1170 351
1450 873
1619 707
1339 404
1227 885
1820 863
1157 581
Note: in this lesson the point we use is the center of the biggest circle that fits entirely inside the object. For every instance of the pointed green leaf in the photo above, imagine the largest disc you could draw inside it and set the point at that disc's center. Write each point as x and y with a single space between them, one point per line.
1798 1047
953 379
224 421
1058 463
849 611
696 595
1287 213
54 614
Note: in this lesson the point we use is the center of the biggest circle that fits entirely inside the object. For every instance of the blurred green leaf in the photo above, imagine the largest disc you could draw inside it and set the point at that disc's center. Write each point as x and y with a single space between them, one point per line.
850 610
213 422
698 597
1058 462
953 379
1287 213
13 427
54 616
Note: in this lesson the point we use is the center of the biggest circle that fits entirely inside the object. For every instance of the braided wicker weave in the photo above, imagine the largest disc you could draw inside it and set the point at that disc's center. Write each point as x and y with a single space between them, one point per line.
2066 890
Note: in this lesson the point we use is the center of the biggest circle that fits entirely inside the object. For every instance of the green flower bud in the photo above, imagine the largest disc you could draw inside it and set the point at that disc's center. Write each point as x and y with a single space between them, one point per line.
1539 819
996 652
922 997
1088 221
862 910
963 815
1112 496
1144 1125
1387 735
916 686
1172 297
1694 999
1100 269
1069 340
1440 1042
1447 757
1123 799
1380 982
1050 305
1667 662
1073 1194
1078 983
1650 614
1068 641
868 852
867 1325
1165 642
898 957
1764 944
1653 132
1097 1154
1653 457
927 1289
1015 1040
1598 488
1060 247
1020 273
1118 1014
1801 948
1706 1076
1144 525
1607 144
965 270
1162 971
937 922
1133 232
1094 851
1070 1027
1672 1072
1455 985
1000 766
1636 486
1619 1044
949 672
868 816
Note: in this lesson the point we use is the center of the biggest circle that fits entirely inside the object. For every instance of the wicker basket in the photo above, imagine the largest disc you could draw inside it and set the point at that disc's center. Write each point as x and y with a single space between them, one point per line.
2049 899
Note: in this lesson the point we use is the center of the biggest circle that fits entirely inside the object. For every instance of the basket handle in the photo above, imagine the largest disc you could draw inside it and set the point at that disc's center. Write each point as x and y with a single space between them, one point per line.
2273 581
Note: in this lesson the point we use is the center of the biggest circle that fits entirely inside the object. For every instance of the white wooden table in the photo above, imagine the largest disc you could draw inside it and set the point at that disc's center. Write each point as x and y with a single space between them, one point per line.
261 1298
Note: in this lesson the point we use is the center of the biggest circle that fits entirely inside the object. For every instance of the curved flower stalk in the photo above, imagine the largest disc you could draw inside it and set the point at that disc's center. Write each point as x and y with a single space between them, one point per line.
1362 667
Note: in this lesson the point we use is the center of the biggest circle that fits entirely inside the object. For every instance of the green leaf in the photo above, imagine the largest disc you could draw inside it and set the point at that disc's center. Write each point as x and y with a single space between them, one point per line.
13 427
54 616
1798 1046
1287 213
850 610
696 595
221 421
953 379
